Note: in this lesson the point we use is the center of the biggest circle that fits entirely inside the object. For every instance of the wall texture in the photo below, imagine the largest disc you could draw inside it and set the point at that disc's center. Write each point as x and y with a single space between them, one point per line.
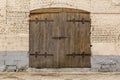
105 28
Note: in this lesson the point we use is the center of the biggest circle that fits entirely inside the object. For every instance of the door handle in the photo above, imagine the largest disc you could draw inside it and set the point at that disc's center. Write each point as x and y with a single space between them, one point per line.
59 38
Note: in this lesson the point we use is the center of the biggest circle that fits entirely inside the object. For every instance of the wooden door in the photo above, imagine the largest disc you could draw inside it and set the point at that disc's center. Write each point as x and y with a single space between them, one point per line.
74 47
43 48
59 39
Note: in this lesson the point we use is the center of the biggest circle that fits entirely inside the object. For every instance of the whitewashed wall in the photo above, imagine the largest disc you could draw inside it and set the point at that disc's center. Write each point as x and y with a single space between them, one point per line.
105 28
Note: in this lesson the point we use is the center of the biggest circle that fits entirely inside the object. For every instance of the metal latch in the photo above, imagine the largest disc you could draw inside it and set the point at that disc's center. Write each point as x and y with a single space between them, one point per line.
59 38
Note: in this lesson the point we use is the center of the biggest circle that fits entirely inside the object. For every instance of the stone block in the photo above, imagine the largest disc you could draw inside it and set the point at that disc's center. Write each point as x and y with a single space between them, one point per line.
18 5
2 3
17 43
2 68
116 2
78 4
103 49
104 6
109 63
104 70
11 68
14 59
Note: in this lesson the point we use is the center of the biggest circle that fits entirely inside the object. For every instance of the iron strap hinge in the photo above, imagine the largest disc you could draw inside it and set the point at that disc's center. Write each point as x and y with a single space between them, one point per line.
83 21
44 20
38 54
83 54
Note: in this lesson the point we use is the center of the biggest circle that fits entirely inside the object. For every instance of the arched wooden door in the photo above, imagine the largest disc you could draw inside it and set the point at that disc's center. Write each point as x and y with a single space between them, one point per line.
59 38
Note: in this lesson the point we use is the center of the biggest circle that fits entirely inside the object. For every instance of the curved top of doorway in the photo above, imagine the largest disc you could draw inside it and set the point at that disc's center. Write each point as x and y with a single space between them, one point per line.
57 10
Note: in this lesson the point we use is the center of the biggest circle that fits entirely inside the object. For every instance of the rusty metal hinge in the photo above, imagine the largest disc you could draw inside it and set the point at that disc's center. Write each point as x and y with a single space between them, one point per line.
44 20
36 54
83 54
83 21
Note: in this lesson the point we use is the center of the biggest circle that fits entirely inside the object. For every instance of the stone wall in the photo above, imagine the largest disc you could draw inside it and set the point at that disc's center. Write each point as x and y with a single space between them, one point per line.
105 16
14 34
105 37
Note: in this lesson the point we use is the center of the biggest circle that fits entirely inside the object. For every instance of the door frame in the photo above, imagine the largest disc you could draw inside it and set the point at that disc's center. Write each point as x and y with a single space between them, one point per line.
56 10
